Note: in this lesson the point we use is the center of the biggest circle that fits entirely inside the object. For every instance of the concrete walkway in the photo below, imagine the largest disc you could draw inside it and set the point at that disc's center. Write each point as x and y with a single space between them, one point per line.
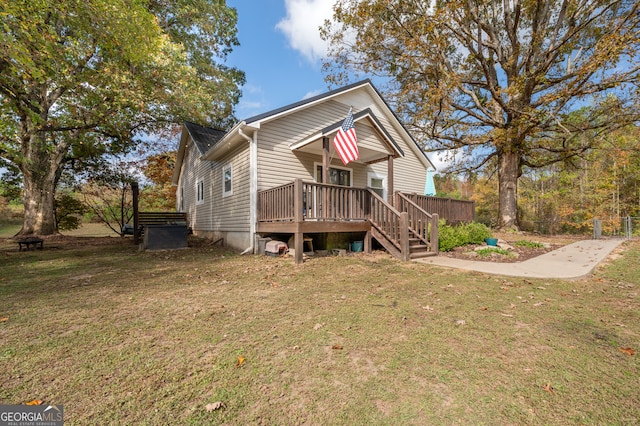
572 261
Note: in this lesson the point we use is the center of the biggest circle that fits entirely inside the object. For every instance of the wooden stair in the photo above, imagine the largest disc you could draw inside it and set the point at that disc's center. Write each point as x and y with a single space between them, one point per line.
403 232
418 249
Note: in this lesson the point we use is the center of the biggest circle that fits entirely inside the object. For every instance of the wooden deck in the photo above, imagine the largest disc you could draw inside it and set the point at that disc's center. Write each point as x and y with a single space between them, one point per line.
405 229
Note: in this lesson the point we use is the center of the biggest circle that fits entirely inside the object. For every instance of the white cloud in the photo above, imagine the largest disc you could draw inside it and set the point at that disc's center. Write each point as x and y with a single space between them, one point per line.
313 93
301 26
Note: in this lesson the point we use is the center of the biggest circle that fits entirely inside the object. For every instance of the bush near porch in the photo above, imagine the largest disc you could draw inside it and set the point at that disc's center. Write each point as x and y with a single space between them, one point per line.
451 236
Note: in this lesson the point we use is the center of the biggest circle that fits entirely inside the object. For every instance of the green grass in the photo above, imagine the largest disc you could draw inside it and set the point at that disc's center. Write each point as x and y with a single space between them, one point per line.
9 228
527 243
126 337
488 251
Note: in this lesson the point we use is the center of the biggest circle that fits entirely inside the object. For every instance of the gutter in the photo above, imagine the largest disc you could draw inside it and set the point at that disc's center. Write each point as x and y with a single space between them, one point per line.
253 181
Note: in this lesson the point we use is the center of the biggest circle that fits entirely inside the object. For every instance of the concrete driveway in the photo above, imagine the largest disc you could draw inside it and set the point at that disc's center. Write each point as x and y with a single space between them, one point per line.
572 261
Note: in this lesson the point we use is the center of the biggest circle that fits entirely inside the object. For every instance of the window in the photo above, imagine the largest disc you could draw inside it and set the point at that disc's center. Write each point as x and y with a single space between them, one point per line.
227 180
200 191
337 176
378 183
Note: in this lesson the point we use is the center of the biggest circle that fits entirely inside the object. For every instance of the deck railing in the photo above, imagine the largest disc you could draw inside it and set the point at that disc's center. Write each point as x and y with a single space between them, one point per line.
423 225
387 220
412 217
320 202
325 202
453 211
277 204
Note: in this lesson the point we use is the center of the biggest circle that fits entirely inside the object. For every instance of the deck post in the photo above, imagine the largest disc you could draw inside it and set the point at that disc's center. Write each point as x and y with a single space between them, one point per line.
390 180
404 236
325 159
367 242
298 240
433 237
325 176
135 199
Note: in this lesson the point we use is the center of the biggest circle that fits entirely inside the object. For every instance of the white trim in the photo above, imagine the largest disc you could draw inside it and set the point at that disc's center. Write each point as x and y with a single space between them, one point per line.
225 193
315 171
199 191
374 175
253 185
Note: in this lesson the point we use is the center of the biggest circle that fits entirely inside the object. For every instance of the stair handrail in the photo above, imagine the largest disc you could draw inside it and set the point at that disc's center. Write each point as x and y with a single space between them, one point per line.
391 223
418 221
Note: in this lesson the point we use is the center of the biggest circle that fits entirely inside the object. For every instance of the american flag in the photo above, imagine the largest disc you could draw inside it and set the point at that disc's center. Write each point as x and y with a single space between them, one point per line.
345 142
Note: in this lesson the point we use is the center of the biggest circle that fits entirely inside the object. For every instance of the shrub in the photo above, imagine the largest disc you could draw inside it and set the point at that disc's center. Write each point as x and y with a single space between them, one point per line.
450 236
478 232
69 211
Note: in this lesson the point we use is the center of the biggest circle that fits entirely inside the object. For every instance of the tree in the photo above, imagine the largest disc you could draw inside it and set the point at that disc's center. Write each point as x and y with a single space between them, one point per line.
83 78
69 210
496 79
158 168
107 194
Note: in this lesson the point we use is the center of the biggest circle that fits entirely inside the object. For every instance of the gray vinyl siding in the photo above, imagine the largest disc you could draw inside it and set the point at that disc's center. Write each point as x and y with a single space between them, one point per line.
231 213
278 165
216 213
192 171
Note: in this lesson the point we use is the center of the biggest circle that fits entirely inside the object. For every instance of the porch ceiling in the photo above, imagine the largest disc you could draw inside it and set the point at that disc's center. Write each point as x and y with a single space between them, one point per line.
367 155
377 147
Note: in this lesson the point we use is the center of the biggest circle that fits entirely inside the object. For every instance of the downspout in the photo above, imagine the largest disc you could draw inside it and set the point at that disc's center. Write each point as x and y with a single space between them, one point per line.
253 185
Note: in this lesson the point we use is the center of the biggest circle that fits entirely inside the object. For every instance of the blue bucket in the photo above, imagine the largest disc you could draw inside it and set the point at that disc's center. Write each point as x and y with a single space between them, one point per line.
357 246
491 241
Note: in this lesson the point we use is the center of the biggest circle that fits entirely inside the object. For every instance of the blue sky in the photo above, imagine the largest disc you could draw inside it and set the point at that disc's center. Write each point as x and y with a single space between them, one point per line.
280 51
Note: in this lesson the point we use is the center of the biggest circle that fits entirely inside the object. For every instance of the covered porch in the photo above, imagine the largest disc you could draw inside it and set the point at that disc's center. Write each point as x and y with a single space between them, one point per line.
403 228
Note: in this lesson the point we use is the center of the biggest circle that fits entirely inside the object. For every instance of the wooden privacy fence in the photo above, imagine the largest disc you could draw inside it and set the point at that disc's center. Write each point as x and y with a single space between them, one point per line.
453 211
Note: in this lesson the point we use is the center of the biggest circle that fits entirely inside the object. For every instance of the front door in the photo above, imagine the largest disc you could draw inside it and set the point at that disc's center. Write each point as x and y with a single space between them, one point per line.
337 176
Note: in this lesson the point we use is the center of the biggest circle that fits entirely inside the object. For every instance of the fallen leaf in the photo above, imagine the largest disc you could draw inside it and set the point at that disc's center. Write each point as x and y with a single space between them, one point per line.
3 319
34 402
628 351
548 388
240 361
215 406
336 347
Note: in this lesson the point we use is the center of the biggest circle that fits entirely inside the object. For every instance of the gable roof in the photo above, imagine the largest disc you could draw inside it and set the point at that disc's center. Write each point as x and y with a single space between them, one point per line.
204 137
367 113
212 142
256 120
304 102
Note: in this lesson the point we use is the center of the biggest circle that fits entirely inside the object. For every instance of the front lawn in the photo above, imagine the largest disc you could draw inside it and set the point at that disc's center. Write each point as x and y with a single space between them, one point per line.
120 336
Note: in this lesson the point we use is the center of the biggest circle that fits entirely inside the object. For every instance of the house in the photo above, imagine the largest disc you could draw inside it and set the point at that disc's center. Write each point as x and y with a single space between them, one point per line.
278 173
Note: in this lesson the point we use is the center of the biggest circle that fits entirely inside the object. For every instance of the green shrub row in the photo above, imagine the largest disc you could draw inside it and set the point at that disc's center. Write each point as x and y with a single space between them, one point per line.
451 236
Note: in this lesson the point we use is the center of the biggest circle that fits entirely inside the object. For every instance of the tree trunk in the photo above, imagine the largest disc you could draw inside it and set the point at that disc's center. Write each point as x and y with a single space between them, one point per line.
40 169
38 200
508 172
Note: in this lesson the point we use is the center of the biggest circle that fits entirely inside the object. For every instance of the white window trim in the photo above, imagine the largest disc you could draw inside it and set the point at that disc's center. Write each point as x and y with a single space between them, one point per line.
228 166
199 191
315 172
374 175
